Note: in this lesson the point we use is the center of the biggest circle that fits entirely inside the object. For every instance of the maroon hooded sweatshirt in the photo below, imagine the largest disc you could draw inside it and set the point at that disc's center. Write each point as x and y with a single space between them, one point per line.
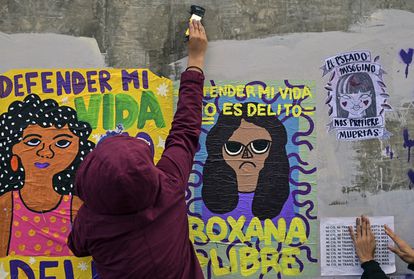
134 218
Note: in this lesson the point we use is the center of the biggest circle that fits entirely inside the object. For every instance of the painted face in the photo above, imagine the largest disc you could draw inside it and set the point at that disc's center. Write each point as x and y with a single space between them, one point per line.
355 103
245 152
46 151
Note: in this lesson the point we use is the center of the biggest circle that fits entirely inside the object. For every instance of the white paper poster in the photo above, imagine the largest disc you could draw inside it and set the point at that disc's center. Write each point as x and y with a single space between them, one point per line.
338 255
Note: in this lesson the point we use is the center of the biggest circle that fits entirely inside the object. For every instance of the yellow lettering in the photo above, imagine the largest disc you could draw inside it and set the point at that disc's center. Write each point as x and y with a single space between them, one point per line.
217 270
213 91
296 93
231 90
248 257
236 230
284 93
240 90
287 107
297 231
250 91
227 109
251 109
234 265
288 263
269 257
210 109
237 109
270 230
261 110
296 110
269 111
263 90
202 259
255 229
222 227
196 229
306 92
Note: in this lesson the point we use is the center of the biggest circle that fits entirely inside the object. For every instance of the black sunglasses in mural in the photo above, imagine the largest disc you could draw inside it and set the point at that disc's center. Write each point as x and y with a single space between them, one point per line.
259 146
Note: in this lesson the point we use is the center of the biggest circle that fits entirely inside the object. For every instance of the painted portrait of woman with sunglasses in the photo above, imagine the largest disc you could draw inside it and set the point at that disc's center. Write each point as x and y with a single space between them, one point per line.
246 160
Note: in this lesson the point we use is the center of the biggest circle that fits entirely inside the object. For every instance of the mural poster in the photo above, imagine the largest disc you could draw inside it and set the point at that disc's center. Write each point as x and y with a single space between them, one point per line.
357 96
252 197
49 121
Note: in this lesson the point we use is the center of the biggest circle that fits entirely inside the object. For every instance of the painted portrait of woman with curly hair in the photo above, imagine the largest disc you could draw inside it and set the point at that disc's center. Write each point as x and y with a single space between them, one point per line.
41 146
246 158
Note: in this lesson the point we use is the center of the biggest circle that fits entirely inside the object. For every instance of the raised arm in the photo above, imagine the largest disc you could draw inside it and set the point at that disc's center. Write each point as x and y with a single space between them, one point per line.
182 142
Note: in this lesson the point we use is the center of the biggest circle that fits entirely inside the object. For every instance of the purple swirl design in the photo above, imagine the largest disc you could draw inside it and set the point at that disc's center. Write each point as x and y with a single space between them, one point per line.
301 266
191 201
308 254
199 176
297 157
307 133
209 270
302 170
292 86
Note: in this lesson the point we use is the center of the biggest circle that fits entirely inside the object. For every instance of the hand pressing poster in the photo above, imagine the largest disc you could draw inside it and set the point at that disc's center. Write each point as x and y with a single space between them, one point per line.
357 96
338 255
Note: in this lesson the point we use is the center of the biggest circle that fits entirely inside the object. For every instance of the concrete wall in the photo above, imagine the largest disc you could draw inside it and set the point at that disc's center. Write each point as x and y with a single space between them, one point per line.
250 40
145 33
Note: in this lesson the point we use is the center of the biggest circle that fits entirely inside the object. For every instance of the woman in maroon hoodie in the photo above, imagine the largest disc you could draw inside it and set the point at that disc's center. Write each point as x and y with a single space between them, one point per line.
134 219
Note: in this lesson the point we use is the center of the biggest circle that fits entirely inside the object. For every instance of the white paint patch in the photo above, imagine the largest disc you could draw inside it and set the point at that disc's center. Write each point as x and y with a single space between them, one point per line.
24 51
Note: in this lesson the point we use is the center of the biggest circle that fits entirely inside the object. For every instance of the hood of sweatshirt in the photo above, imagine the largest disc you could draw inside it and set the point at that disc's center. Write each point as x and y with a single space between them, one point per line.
118 177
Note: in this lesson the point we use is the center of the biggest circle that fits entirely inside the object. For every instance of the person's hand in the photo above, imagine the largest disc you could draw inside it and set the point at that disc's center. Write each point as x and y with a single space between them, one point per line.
364 240
401 248
197 44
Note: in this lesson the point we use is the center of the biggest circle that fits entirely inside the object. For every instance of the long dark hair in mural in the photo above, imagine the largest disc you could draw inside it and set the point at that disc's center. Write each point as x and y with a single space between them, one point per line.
246 154
39 114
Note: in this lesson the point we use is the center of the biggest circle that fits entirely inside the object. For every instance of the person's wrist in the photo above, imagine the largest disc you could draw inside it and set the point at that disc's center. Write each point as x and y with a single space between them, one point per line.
367 259
196 62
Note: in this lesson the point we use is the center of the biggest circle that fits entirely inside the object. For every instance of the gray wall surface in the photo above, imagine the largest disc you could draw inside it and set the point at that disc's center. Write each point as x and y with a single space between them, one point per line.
249 40
147 33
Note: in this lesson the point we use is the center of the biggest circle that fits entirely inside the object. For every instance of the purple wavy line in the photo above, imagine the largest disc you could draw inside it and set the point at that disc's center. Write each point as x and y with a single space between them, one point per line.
216 103
188 194
292 86
306 133
297 157
271 101
257 245
279 246
306 223
303 204
298 192
306 184
200 163
301 266
204 130
309 131
302 170
308 253
231 245
199 176
198 243
209 270
194 214
201 251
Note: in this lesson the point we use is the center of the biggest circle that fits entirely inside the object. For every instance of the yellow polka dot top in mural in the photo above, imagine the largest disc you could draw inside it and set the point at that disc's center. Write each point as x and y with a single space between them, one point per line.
40 233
